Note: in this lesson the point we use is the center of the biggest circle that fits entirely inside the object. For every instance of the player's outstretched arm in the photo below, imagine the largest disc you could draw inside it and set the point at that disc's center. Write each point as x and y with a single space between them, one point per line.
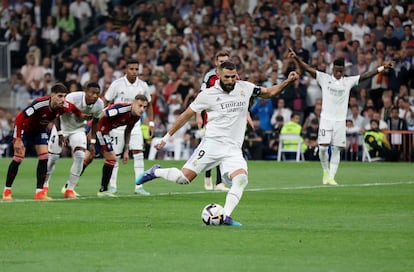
303 66
277 89
380 69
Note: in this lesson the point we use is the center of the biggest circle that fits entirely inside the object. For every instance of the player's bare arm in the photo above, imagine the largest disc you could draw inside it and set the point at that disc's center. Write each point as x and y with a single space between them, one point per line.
92 138
380 69
181 120
277 89
303 66
127 137
61 140
150 113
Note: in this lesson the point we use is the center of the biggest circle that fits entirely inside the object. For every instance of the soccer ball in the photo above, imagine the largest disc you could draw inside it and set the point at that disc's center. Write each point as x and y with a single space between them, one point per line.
212 214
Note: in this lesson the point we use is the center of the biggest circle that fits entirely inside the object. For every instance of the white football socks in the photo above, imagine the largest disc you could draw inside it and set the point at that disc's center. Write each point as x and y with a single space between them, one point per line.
138 166
234 195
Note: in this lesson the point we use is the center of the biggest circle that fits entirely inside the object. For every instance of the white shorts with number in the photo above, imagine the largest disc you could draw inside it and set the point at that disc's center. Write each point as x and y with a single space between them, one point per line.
75 139
210 153
136 142
332 132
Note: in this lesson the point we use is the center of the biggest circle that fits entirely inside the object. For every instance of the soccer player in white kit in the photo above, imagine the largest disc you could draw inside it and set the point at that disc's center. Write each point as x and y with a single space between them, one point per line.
71 129
227 104
124 90
336 89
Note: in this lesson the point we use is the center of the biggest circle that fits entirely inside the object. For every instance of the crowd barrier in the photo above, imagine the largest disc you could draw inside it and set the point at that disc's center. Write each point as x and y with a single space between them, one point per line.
399 140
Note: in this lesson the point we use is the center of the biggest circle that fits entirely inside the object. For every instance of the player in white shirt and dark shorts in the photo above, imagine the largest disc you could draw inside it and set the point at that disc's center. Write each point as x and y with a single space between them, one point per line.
124 90
72 132
227 104
336 89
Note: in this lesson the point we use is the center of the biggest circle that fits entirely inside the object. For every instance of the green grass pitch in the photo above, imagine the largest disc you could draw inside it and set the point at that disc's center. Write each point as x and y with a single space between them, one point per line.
290 222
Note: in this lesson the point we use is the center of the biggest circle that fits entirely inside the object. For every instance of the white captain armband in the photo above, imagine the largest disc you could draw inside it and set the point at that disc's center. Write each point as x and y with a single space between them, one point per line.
257 90
93 141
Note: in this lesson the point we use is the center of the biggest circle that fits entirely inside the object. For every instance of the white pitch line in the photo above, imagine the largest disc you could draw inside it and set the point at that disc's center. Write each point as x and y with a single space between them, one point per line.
247 190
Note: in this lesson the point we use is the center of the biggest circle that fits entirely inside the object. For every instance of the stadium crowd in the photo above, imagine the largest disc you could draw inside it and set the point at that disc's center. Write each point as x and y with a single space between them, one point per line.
175 42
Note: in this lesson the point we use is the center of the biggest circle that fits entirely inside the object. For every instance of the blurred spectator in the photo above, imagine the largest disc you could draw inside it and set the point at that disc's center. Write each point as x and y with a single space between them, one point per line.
111 49
18 86
387 106
183 85
374 115
378 144
292 127
263 109
315 114
295 97
66 71
13 37
100 7
310 138
64 42
379 29
120 18
393 7
103 35
395 123
354 140
253 141
65 20
82 12
406 110
5 131
308 38
389 39
31 69
355 116
36 88
281 110
359 28
46 66
50 36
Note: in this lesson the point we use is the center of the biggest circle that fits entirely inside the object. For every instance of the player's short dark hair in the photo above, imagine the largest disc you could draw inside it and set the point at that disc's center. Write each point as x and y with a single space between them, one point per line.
141 97
93 85
339 62
227 65
59 88
132 61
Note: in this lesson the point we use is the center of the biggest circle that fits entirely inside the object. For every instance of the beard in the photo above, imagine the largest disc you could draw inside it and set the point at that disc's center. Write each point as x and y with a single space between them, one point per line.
227 87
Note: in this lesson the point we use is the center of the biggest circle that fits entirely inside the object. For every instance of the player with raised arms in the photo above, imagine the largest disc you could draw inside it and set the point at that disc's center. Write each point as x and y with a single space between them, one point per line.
336 89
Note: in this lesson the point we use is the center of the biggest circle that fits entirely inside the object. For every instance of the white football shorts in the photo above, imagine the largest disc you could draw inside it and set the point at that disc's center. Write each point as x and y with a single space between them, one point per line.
136 142
210 153
332 132
75 139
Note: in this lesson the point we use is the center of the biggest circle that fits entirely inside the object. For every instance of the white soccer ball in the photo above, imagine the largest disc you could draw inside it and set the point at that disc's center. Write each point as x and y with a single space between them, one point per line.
212 214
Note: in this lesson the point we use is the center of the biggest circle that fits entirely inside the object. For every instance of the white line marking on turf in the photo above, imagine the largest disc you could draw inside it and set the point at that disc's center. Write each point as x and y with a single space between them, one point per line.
206 192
